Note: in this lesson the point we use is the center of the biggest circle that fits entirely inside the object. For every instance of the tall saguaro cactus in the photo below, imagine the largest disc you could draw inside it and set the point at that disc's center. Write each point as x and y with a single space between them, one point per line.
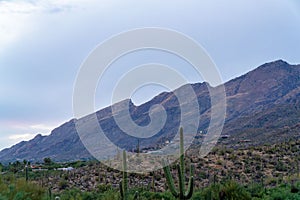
124 182
26 172
180 193
138 148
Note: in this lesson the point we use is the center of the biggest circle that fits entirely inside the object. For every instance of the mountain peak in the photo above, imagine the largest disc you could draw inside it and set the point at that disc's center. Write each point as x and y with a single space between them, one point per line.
38 136
279 62
275 64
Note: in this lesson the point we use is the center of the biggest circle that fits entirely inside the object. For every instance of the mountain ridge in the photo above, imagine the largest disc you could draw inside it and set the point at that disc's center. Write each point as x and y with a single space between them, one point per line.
261 103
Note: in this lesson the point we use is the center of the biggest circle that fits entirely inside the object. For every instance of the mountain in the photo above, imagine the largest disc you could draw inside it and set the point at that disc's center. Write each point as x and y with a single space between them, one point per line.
263 106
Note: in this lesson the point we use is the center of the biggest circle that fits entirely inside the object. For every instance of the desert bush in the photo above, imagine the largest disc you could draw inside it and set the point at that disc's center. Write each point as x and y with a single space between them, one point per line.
63 184
21 190
103 187
281 193
228 191
256 190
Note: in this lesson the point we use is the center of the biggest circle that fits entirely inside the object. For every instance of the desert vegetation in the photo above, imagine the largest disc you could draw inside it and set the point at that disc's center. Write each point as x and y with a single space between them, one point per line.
257 172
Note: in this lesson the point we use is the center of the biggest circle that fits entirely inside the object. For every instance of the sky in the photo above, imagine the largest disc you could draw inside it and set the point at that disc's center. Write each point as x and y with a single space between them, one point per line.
43 44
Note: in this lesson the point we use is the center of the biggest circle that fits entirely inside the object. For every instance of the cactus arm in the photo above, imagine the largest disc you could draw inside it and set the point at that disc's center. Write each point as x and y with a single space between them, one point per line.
170 181
189 192
136 195
121 190
181 151
181 182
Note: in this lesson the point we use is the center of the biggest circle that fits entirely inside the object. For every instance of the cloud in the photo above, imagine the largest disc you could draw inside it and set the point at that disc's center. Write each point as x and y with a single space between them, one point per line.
20 17
42 127
18 137
29 7
17 7
35 128
13 132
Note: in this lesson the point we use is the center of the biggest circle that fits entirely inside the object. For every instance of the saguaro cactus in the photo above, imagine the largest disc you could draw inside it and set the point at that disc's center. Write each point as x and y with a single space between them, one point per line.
138 148
124 182
180 193
49 193
26 172
153 182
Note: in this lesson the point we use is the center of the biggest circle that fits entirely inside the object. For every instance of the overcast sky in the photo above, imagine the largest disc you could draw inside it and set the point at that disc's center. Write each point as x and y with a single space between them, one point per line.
43 43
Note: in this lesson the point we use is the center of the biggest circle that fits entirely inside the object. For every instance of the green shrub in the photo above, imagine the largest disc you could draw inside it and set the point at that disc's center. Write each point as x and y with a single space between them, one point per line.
281 193
232 190
229 191
63 184
3 197
103 187
211 192
21 190
256 190
19 196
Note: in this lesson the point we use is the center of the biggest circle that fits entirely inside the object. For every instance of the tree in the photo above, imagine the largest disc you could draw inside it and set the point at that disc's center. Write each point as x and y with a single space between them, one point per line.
47 161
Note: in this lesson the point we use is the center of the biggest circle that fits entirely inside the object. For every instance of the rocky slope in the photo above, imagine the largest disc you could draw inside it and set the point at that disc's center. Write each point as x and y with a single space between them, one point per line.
263 106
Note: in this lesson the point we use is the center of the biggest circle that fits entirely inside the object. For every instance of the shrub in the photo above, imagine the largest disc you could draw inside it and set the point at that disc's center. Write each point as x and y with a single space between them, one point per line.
282 192
103 187
63 184
3 197
256 190
211 192
20 189
229 191
232 190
